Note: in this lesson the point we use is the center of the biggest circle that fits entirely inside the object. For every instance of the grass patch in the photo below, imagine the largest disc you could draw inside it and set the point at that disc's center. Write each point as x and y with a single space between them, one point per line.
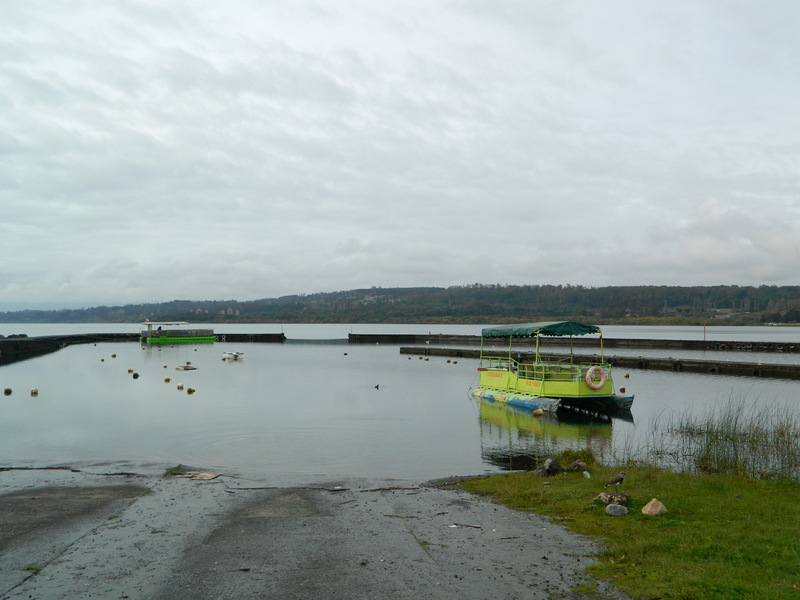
725 535
176 470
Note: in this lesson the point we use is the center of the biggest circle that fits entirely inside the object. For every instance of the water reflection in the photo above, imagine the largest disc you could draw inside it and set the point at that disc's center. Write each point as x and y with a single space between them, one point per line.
513 438
300 410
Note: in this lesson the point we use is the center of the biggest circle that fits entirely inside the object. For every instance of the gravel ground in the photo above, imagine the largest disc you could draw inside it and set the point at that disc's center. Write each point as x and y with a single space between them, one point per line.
69 533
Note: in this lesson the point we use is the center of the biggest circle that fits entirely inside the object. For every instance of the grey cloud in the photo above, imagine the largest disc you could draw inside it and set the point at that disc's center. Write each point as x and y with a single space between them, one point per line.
197 150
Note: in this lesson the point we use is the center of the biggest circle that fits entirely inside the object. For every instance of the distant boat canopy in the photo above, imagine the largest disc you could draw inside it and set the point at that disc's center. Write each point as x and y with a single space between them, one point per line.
535 329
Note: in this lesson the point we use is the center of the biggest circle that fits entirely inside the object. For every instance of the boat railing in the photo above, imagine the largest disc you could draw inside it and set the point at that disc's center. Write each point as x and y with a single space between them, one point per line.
498 363
550 368
178 333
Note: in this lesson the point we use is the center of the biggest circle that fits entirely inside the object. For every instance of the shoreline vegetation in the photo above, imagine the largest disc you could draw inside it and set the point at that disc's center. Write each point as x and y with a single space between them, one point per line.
730 480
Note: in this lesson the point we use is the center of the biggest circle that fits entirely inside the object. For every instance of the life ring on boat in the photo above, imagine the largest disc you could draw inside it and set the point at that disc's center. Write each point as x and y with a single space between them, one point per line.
596 385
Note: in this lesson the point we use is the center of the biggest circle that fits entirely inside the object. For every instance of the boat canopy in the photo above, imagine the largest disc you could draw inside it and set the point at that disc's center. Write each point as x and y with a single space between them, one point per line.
532 329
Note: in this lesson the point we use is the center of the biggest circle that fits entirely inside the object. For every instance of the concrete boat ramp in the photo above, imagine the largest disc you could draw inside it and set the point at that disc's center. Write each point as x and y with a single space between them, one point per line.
97 532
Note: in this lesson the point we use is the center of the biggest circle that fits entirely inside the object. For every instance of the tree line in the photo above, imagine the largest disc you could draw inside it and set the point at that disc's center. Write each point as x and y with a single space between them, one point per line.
476 303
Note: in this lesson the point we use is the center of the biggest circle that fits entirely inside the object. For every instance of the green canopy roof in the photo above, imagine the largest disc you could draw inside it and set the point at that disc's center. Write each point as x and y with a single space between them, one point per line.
531 329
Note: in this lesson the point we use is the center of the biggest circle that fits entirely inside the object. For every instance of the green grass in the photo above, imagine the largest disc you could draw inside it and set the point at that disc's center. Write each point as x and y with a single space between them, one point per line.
176 470
725 536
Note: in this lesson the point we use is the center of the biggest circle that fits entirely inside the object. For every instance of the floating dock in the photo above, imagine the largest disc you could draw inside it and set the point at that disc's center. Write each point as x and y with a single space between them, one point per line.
678 365
577 342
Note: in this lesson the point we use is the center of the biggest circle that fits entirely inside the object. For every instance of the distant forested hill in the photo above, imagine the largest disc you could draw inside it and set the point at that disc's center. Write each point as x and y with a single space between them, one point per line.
478 303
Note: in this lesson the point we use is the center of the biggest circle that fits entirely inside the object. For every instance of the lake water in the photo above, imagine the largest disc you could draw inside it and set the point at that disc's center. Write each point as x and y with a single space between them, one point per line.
310 410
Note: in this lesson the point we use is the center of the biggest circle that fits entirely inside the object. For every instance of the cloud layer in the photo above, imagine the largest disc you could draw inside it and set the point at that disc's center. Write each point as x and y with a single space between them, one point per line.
153 151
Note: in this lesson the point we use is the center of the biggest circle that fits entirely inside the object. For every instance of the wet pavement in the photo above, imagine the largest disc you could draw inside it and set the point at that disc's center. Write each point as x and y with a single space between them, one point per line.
91 534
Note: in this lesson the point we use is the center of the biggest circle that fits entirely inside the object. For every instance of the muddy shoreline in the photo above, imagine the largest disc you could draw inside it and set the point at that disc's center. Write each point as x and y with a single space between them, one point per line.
104 532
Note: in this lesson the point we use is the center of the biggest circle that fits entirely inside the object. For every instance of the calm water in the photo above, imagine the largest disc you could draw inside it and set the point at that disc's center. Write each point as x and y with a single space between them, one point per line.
304 411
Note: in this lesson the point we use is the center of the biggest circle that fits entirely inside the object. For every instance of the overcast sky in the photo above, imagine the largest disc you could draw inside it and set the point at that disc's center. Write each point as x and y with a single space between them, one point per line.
198 149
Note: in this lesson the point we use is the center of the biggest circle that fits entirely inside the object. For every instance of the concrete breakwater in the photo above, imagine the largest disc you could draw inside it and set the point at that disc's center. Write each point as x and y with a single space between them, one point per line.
712 367
577 342
20 347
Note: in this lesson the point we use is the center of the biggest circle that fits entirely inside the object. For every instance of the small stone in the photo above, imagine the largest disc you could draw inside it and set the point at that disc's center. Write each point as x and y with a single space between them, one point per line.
654 507
616 510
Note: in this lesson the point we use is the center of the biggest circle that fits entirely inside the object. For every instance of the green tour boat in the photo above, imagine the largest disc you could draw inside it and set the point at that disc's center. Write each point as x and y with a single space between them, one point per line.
543 383
159 332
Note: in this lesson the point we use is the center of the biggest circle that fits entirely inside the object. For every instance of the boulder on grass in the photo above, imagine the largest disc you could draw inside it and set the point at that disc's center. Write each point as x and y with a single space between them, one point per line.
612 498
616 510
654 507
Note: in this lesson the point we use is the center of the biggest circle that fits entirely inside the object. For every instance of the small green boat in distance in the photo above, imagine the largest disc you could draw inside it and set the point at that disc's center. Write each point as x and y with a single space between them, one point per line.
543 383
158 332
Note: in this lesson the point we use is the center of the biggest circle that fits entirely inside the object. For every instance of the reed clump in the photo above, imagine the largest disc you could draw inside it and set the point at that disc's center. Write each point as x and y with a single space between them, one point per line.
748 440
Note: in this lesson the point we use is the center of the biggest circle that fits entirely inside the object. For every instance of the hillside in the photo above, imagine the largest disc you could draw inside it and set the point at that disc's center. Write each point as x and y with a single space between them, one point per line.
478 303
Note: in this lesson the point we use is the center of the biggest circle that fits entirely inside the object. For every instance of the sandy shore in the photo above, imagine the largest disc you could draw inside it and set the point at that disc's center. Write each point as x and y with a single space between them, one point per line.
104 533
